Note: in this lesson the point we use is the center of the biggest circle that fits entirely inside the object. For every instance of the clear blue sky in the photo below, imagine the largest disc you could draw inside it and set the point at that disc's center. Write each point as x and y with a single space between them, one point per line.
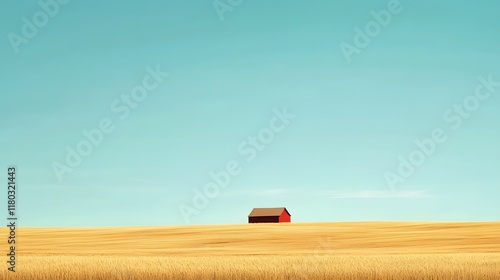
352 120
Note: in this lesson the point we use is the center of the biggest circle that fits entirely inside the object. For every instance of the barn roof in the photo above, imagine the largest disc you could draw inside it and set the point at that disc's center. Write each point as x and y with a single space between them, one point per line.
268 212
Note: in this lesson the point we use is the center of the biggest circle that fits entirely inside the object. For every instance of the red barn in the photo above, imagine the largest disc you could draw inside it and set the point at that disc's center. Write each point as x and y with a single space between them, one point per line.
269 215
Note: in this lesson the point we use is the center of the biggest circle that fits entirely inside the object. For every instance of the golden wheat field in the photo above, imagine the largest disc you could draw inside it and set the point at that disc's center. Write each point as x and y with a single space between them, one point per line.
369 250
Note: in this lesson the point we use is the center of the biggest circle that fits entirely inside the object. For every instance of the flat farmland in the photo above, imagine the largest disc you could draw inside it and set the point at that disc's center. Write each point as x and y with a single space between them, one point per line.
363 250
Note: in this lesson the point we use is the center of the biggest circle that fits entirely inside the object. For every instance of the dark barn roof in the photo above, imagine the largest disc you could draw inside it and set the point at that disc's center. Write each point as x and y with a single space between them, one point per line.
268 212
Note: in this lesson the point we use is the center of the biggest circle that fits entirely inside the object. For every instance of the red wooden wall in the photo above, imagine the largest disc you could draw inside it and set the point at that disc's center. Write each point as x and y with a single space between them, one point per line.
285 218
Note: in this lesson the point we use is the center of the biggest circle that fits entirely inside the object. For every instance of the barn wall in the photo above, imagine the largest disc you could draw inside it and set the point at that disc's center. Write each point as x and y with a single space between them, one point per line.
263 219
285 218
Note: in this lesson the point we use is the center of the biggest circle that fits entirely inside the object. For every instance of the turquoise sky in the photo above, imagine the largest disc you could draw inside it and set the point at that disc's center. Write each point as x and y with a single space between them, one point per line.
353 119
